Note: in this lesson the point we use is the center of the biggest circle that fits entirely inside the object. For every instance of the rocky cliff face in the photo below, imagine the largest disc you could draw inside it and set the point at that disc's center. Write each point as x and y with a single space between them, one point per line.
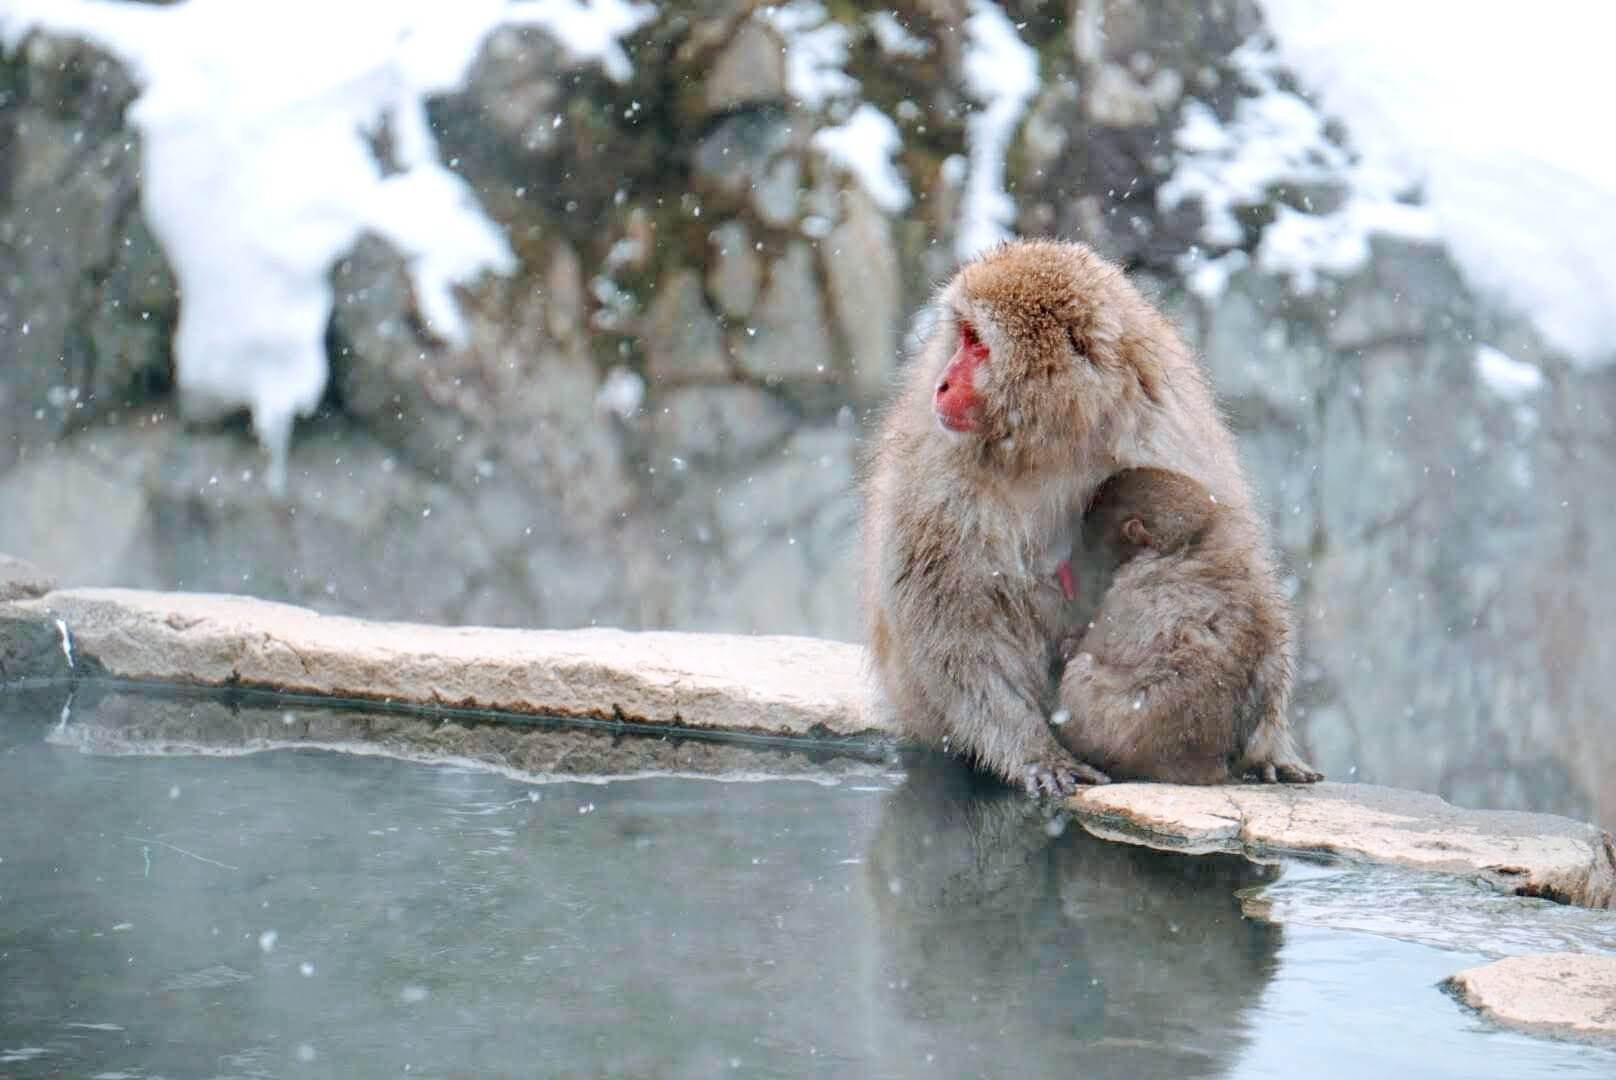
655 421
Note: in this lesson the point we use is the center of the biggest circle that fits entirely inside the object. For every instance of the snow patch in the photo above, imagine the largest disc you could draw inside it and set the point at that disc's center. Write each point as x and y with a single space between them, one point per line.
590 30
1208 278
621 393
1276 141
1509 378
865 146
816 51
894 39
1001 74
1301 246
816 48
256 182
1498 115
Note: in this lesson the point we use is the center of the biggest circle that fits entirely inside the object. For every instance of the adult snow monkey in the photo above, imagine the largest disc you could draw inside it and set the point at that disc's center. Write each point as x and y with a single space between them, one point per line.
1045 372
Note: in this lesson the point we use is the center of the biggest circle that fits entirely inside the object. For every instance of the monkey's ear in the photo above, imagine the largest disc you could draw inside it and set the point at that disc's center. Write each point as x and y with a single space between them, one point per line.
1096 337
1075 340
1134 531
1148 369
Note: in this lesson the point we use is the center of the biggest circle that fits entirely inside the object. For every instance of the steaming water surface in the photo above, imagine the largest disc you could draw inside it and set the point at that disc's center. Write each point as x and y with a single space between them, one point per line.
310 913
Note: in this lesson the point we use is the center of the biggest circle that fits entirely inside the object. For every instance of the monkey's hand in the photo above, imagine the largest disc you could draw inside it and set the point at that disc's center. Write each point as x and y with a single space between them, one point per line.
1061 776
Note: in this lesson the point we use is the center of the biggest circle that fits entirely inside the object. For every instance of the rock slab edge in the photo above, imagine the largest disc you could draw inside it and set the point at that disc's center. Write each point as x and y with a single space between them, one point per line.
1565 994
771 685
1539 855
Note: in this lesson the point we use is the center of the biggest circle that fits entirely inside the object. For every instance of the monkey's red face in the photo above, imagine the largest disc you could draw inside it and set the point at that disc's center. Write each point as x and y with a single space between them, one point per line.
958 402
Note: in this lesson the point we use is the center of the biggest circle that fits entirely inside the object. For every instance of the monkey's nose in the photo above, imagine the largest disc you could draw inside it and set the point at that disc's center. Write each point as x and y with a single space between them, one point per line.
942 387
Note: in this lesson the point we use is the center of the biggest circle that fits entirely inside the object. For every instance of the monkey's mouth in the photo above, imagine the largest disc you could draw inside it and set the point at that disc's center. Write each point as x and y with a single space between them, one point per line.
959 425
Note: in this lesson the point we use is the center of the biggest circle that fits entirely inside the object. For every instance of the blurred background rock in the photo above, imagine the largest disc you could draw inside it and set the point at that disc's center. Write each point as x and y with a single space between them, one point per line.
655 419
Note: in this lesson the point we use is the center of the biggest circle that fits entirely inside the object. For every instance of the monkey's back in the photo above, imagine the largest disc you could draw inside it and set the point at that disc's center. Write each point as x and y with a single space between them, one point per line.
1167 684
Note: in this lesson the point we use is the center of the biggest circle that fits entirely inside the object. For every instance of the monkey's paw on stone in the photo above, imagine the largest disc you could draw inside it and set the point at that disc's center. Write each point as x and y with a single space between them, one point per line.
1283 772
1062 778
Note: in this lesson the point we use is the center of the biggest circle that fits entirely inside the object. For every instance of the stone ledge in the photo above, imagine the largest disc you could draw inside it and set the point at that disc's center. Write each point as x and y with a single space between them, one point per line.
765 685
1565 994
1539 855
781 686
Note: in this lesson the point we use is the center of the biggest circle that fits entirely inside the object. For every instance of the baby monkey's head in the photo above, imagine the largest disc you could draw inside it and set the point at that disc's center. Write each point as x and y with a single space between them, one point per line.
1140 509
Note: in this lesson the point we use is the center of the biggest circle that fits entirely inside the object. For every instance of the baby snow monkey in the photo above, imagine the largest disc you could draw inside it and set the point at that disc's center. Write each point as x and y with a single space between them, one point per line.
1183 672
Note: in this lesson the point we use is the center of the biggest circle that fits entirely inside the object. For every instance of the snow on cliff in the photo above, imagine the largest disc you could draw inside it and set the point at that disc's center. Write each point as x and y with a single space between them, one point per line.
257 173
1500 113
1001 75
816 54
865 146
1277 140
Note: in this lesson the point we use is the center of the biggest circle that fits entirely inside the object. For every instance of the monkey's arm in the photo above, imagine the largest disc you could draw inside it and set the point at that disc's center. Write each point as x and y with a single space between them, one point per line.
1010 735
983 667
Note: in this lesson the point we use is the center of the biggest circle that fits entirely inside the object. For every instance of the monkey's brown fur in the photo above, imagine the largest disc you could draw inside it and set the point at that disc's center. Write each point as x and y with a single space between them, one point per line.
963 532
1172 678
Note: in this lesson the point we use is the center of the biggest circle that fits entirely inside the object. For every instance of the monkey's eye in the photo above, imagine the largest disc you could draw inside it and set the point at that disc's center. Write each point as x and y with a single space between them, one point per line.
968 335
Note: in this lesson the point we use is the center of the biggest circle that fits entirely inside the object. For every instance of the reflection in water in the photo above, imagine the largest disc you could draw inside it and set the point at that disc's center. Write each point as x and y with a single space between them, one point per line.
116 719
1011 937
170 911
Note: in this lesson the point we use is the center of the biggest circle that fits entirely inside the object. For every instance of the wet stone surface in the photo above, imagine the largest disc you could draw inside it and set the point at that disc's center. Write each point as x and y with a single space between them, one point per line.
1536 855
1563 994
181 907
30 647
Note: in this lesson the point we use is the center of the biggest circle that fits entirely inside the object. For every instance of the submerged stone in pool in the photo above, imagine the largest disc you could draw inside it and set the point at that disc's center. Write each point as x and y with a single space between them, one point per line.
305 912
